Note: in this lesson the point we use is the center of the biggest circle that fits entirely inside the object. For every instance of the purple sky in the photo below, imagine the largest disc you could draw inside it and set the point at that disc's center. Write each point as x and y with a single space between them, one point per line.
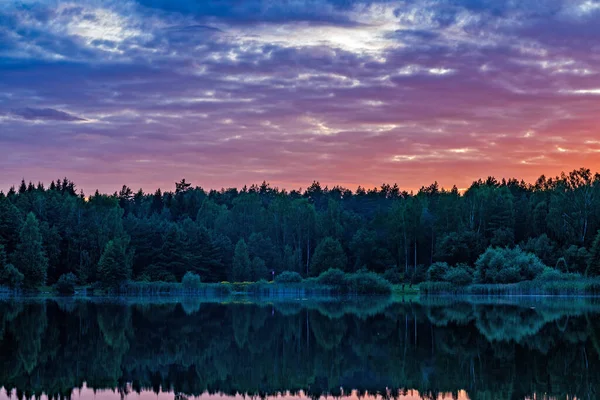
226 93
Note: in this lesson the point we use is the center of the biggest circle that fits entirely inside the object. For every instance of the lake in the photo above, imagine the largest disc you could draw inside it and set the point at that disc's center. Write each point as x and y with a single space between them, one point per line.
169 348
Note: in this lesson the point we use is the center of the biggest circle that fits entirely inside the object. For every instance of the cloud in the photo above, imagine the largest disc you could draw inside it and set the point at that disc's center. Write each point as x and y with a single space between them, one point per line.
347 92
45 114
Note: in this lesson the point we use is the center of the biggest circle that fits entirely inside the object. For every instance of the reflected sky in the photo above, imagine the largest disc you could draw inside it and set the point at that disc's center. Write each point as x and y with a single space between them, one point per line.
86 393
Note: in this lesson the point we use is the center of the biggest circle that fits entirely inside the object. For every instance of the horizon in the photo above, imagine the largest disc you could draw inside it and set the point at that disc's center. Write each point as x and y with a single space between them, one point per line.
301 189
349 93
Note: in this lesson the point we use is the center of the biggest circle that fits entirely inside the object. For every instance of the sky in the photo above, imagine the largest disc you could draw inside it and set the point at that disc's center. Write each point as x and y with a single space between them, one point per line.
346 92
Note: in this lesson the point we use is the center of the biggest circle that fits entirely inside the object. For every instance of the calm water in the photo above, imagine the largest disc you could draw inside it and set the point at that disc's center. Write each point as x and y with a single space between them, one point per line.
478 349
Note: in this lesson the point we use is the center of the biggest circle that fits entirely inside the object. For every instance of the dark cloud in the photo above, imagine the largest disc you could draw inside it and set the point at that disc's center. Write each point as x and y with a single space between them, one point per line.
45 114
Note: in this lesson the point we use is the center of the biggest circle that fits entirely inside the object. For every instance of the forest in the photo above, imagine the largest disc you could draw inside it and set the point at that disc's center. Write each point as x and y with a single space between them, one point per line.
496 231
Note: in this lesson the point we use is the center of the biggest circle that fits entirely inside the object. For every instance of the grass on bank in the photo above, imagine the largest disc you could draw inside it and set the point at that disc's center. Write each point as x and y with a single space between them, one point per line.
332 282
568 287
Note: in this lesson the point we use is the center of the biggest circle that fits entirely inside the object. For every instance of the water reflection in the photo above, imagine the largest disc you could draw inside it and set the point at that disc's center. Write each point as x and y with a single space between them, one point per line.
194 347
86 393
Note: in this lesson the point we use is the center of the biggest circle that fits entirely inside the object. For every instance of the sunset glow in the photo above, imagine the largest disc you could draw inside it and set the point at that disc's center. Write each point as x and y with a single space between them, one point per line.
353 93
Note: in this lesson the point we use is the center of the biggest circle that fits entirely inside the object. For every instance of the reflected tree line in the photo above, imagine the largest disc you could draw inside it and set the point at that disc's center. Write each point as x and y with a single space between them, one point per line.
491 351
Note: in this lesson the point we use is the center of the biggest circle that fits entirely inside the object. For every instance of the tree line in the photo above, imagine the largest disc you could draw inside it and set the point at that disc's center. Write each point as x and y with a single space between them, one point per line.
250 233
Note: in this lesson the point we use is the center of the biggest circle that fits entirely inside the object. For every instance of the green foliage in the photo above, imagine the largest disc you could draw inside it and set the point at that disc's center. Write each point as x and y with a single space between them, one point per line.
593 267
554 275
576 259
259 269
328 254
288 277
393 276
543 248
361 282
548 283
241 270
367 252
191 281
333 277
366 283
504 265
30 258
66 284
437 271
461 275
503 237
114 265
385 230
10 276
459 247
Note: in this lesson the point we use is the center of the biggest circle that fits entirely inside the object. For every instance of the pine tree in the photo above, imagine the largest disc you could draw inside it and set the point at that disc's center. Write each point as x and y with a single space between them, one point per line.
3 259
114 266
10 225
157 203
259 269
593 268
9 275
328 254
30 258
241 262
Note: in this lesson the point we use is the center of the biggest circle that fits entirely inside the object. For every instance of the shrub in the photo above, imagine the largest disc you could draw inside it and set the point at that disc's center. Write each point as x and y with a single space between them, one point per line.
393 276
437 271
288 277
459 276
551 274
332 277
420 275
191 280
66 284
504 265
11 276
367 283
508 275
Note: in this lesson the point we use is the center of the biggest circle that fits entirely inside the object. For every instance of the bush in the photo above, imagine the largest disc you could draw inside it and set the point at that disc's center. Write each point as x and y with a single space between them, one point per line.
191 280
508 275
66 284
459 276
11 276
504 265
418 276
551 275
332 277
367 283
393 276
437 271
288 277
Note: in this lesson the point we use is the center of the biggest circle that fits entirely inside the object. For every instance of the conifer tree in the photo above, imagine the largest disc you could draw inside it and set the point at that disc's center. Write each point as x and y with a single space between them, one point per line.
241 262
30 258
114 266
